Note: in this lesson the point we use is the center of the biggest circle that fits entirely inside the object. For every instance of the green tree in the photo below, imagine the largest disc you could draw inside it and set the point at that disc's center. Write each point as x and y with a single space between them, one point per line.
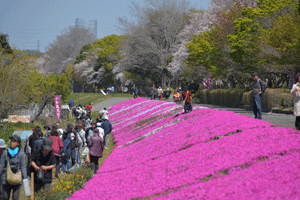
4 43
48 86
109 55
16 80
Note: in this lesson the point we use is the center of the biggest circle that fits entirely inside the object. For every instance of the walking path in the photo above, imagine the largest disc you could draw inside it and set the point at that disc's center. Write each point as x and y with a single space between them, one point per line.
284 120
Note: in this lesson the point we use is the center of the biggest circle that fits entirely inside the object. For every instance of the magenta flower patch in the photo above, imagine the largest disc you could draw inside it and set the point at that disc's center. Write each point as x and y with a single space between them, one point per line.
162 153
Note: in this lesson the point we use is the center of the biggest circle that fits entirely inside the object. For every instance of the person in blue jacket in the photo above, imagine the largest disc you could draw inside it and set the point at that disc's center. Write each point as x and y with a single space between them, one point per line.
65 154
106 125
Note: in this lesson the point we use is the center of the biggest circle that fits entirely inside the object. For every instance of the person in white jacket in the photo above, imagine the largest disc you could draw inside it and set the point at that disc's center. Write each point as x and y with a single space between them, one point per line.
296 93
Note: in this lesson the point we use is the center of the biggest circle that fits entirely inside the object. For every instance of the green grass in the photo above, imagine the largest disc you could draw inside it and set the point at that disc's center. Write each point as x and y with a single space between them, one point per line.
86 98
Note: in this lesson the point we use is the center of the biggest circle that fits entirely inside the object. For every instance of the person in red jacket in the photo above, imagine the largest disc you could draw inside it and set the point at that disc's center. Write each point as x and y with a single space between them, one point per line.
90 107
187 98
57 145
96 146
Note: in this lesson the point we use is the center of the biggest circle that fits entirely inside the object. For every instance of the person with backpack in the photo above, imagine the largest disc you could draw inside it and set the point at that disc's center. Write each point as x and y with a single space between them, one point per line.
12 162
37 144
44 160
187 98
80 136
72 135
65 155
57 146
90 132
259 87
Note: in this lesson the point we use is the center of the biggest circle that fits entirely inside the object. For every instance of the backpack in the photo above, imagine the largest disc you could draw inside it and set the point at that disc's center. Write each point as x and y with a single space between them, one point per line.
77 112
27 148
260 86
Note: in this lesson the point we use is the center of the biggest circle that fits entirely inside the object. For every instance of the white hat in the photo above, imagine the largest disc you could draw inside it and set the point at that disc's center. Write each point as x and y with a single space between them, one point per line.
98 124
2 143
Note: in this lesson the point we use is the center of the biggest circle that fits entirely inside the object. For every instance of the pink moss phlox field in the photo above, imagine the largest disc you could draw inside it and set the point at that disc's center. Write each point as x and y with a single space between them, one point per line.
205 154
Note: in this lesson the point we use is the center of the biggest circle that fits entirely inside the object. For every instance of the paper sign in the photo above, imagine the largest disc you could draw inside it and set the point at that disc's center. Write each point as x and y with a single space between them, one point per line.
19 118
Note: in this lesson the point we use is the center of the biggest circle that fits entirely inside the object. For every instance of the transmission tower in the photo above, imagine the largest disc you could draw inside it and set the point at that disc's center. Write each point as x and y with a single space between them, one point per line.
38 45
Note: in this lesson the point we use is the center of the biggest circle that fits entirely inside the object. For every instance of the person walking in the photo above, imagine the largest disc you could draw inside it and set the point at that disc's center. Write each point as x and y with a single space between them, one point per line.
27 150
65 155
187 98
72 135
159 92
96 147
37 144
259 87
57 146
106 125
295 91
81 141
2 148
90 132
47 130
12 159
43 159
135 93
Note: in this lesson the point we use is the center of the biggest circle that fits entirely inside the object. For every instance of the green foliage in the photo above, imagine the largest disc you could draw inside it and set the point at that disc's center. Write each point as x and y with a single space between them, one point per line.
108 55
284 37
268 7
83 53
17 75
244 43
4 43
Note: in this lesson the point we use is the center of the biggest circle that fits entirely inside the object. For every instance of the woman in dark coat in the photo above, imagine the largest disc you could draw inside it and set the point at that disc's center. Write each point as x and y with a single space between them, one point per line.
96 146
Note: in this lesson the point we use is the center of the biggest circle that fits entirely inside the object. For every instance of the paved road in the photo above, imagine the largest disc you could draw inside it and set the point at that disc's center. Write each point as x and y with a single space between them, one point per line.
284 120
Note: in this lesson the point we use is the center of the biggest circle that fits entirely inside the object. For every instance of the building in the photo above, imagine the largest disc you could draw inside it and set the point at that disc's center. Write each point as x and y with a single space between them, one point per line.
87 23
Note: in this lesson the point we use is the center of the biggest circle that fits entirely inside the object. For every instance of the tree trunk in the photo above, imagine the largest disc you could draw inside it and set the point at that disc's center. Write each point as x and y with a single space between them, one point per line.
41 110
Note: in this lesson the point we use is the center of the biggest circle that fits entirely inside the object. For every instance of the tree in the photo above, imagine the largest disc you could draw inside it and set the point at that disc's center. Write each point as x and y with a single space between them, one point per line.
64 49
4 43
151 37
99 60
48 86
16 81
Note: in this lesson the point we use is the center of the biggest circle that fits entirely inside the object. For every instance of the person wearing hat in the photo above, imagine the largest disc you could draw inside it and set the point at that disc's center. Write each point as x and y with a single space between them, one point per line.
16 158
44 159
96 146
2 148
47 127
259 87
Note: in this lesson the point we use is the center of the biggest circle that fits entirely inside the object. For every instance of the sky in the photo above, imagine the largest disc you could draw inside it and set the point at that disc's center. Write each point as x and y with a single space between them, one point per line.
33 23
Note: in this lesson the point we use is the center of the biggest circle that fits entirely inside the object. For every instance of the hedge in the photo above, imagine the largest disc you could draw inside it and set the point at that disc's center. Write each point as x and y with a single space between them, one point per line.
241 98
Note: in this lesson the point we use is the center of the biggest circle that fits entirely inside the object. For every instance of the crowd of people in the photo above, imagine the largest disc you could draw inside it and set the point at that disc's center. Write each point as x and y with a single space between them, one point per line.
55 149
